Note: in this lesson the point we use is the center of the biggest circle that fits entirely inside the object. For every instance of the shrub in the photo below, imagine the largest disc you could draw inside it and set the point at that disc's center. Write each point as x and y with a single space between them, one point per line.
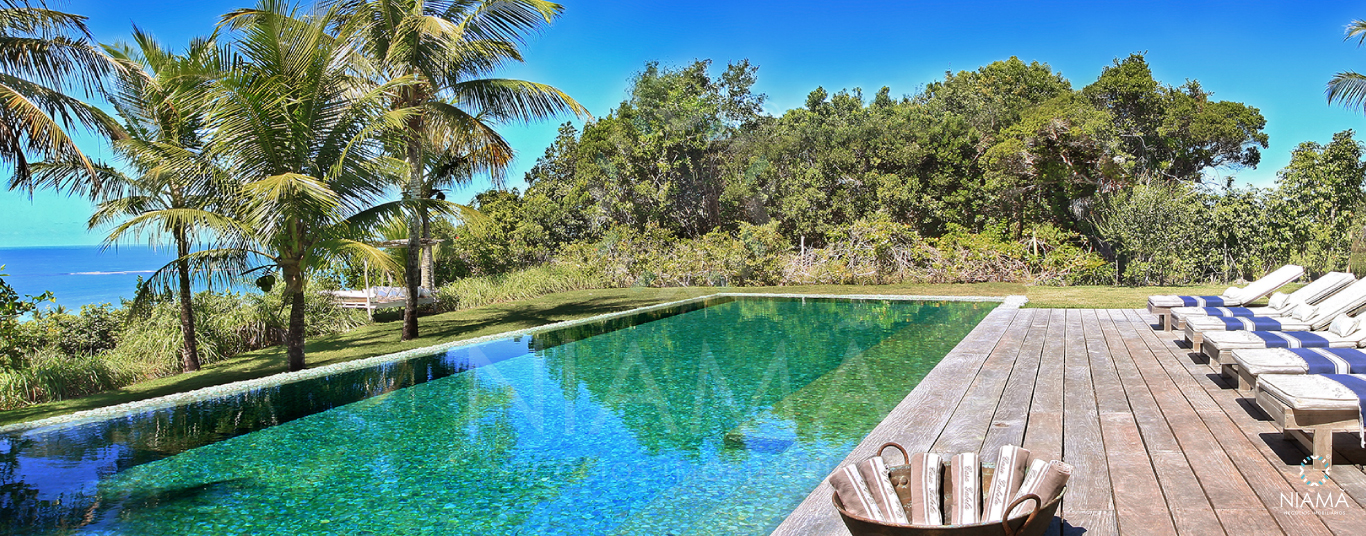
94 329
70 355
46 375
226 324
473 292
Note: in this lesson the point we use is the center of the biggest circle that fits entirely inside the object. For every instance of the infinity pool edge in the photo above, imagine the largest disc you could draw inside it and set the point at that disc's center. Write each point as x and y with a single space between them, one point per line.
227 389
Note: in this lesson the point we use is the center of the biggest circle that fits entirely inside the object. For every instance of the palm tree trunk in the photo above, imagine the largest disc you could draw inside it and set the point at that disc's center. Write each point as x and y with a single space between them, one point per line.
189 353
428 263
294 338
412 266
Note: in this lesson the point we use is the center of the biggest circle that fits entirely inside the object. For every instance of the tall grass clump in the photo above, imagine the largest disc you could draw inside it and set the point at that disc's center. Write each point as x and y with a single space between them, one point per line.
532 282
227 324
46 374
104 347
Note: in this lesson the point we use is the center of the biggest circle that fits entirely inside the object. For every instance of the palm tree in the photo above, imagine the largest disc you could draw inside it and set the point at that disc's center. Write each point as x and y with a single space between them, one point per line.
1348 88
159 98
453 161
41 52
297 124
448 47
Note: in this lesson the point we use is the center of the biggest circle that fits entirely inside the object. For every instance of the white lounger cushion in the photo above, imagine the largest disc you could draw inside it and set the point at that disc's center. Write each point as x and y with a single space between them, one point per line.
1345 301
1235 296
1233 340
1280 303
1174 301
1191 312
1266 285
1259 361
1308 391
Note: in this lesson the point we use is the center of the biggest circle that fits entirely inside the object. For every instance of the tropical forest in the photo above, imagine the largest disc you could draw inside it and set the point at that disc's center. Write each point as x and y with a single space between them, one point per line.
299 149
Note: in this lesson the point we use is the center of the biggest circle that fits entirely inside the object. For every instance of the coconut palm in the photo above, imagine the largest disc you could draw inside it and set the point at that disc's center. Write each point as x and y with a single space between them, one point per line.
43 51
160 100
1348 88
453 162
448 48
297 123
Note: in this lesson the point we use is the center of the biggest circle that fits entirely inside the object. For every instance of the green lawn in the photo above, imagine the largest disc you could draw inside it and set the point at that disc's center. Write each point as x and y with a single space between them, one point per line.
383 337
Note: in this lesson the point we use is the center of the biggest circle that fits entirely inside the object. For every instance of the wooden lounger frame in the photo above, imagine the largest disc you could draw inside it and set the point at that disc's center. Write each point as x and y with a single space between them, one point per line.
1164 316
1195 338
1215 355
1312 429
1238 376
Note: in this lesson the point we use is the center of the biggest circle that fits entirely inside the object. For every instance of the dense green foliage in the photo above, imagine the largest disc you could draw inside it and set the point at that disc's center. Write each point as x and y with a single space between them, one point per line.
1004 173
12 309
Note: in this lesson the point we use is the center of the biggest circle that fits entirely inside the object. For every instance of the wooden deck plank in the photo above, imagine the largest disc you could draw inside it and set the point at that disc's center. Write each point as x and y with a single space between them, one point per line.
1139 503
1012 414
1083 447
1265 481
1159 444
968 425
1110 397
1043 434
1189 507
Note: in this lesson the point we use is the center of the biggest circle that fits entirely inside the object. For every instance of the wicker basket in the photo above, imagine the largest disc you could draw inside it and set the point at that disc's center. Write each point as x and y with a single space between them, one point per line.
1033 525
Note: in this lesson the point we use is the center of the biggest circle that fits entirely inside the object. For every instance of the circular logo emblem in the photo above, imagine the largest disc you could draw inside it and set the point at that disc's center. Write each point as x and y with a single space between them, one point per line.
1310 474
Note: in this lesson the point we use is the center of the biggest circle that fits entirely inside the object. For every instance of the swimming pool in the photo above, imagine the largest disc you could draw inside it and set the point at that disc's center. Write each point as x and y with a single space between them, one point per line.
715 416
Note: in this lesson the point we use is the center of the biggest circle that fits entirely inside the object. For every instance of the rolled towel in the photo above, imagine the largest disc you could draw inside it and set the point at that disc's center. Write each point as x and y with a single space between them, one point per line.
1046 479
854 494
967 489
1010 473
925 489
874 473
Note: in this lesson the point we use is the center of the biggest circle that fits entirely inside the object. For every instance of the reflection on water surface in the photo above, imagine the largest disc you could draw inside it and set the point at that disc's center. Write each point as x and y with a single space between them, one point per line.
714 416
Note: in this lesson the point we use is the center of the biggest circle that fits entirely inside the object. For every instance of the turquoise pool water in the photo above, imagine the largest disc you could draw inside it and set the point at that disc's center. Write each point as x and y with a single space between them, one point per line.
716 417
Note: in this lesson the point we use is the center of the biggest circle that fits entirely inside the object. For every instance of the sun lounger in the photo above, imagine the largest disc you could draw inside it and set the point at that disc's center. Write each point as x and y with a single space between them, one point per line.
1233 297
1303 318
1279 304
1197 327
1246 366
1308 408
378 298
1342 333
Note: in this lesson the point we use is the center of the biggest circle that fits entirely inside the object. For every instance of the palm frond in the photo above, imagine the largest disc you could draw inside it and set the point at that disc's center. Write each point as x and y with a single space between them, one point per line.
150 223
516 100
28 127
1348 89
503 19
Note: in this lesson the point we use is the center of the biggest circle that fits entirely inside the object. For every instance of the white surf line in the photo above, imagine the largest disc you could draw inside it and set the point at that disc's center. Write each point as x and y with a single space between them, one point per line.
129 409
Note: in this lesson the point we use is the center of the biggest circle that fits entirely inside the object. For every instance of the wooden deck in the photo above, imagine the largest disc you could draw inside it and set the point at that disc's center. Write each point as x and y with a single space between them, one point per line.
1160 444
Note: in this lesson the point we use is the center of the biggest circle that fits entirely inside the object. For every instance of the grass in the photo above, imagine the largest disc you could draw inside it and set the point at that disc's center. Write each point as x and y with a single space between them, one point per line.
383 337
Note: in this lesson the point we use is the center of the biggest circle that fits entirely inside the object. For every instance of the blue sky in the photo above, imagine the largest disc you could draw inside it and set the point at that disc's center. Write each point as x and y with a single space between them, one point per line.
1274 56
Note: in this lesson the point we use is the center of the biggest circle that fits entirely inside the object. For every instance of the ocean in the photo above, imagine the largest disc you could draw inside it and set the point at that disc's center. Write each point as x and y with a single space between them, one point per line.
80 275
